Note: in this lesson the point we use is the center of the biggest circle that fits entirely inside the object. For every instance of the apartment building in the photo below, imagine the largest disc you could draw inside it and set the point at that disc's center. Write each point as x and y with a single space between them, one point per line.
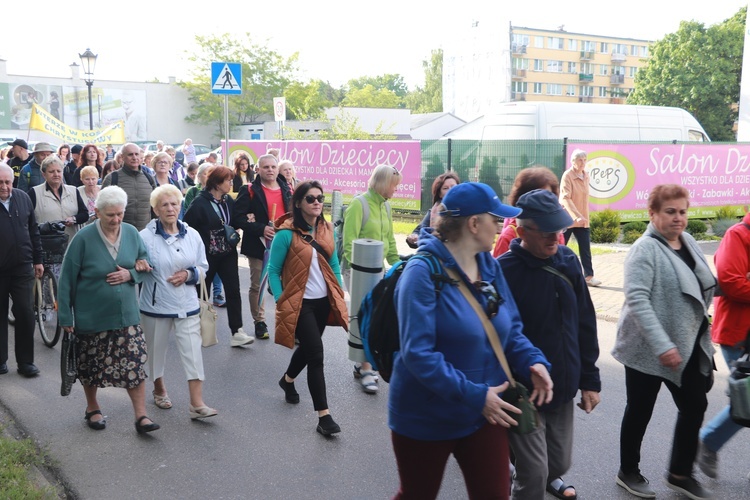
548 65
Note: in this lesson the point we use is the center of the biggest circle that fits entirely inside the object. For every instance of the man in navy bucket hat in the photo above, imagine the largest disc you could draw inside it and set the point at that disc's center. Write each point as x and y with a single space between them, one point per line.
549 289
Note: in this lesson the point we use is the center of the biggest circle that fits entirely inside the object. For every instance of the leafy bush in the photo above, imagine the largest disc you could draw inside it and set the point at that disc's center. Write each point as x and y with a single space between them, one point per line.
629 237
695 227
720 226
605 226
636 225
726 212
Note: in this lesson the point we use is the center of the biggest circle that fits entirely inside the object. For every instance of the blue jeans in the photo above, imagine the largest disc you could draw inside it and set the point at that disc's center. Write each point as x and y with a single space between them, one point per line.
217 285
721 428
583 237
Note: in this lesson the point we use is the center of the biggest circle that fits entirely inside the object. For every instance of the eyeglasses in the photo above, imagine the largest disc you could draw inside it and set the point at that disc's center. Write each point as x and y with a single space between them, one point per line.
162 162
311 199
494 300
545 234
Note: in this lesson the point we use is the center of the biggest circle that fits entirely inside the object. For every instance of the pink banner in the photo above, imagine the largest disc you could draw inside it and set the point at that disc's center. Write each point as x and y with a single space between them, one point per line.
622 175
345 165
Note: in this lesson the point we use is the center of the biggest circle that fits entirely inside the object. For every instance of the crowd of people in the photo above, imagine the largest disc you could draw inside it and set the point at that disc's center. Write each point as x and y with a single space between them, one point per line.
143 235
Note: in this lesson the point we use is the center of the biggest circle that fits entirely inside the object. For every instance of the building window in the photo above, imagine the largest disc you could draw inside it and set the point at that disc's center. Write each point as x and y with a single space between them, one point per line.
587 68
571 90
603 68
572 44
519 87
633 71
618 70
572 67
603 91
554 66
520 63
644 51
588 46
554 89
586 91
538 65
620 48
537 88
634 50
554 42
519 39
539 42
604 47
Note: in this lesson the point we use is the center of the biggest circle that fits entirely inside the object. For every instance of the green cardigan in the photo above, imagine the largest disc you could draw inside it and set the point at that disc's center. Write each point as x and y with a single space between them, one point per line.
83 291
379 226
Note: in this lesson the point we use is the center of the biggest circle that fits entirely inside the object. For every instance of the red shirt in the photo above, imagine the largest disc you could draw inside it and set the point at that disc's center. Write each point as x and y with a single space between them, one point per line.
274 203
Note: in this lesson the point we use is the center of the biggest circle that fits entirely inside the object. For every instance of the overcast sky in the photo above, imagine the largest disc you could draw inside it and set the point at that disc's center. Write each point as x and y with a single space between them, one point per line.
337 40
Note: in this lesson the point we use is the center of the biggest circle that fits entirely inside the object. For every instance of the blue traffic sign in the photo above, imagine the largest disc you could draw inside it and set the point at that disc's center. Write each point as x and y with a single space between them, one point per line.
226 78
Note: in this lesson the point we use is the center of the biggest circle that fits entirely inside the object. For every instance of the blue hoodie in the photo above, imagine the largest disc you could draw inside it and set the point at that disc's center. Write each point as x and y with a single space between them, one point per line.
446 364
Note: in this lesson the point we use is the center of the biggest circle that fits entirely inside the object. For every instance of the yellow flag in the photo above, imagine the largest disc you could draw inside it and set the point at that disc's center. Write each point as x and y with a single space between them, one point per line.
45 122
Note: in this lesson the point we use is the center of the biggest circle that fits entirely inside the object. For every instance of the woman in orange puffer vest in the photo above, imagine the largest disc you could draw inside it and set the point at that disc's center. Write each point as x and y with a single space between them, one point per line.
304 274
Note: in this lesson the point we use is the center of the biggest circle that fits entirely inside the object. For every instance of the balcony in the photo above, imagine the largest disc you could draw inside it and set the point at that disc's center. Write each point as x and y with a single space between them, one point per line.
587 55
518 74
617 79
517 49
585 98
617 100
517 96
585 77
617 57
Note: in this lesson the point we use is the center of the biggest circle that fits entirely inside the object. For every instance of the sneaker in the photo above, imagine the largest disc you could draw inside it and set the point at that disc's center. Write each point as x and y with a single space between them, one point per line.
261 330
635 483
220 301
358 372
687 486
241 338
369 383
591 281
327 426
708 461
290 393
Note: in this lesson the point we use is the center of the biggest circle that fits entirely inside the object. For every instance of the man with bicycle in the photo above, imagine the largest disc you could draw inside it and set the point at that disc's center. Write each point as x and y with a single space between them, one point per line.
20 264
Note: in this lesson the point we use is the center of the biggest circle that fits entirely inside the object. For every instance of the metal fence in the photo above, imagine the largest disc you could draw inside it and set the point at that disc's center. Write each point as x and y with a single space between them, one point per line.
495 163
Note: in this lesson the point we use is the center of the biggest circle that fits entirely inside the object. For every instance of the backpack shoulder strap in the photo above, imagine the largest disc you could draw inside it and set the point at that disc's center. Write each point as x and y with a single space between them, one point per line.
150 180
365 208
388 209
115 177
559 274
437 272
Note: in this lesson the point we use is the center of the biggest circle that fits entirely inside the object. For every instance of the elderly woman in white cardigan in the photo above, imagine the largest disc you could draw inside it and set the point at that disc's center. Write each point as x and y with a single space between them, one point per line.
663 338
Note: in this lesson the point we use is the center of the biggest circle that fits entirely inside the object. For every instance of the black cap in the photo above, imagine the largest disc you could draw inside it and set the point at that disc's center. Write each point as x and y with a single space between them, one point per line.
20 142
76 150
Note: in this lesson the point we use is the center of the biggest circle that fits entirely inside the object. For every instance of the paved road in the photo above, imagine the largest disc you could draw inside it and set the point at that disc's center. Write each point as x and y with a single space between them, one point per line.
259 447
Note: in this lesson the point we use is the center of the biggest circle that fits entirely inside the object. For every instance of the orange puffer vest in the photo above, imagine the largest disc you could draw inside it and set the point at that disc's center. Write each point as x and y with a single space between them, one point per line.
294 279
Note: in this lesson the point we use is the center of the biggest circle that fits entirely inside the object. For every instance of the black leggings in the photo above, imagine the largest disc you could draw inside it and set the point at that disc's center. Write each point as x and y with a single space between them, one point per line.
690 399
310 325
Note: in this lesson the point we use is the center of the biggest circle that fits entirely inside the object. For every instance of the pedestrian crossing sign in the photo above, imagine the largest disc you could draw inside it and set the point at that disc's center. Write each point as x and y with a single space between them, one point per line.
226 78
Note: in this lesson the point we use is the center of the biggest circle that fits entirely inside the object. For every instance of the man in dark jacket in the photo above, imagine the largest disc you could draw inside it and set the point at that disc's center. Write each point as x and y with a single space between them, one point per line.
31 173
21 157
559 318
267 198
20 263
72 165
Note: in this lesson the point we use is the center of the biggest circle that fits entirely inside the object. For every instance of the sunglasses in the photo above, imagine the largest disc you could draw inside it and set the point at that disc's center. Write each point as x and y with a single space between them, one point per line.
311 199
494 300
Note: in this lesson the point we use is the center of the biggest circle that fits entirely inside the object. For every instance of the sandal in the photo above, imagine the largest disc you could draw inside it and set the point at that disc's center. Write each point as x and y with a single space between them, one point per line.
162 402
97 425
198 412
558 488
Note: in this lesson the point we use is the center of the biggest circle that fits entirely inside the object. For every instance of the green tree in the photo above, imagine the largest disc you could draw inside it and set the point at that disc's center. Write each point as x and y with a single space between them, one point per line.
430 98
265 75
698 69
308 101
393 82
371 97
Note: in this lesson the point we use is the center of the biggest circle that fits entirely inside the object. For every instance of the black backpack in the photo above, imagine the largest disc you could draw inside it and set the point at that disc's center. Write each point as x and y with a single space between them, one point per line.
378 323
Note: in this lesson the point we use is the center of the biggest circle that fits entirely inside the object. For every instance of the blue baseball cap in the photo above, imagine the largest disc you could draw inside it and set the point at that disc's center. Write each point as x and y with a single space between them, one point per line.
544 209
473 198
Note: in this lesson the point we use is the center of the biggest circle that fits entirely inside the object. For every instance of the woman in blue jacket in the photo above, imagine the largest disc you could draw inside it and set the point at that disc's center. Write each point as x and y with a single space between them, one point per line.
447 382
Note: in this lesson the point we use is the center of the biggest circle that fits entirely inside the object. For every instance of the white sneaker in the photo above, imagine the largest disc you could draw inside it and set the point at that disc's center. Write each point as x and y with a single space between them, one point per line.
241 338
369 382
591 281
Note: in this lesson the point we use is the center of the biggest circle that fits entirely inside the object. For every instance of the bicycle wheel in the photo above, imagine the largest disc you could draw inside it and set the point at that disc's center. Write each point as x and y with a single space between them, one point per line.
46 309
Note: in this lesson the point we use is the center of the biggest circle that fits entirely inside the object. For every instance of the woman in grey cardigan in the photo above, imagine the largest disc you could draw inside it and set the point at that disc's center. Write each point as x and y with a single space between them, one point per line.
663 337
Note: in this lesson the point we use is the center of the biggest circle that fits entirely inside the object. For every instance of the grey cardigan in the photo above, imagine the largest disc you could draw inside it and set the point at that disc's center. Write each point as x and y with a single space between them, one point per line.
665 304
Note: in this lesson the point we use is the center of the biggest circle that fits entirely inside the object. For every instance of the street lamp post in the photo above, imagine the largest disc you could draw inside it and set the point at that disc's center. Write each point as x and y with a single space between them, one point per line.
88 61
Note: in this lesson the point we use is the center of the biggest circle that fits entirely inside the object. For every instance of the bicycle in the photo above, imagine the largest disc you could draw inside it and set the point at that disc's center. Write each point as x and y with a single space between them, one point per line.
54 244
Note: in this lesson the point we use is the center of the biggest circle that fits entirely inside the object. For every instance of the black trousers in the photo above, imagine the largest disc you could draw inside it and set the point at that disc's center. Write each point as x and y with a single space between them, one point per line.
227 269
309 332
21 290
691 402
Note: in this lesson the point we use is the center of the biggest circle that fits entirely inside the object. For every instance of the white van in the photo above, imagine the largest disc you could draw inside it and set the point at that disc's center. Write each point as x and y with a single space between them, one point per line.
583 121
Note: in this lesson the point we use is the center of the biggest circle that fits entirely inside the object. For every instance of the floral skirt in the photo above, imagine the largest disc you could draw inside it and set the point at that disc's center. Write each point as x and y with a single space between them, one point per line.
115 358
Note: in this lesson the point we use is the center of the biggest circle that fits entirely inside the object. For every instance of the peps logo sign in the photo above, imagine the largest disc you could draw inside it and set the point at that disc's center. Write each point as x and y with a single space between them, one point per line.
611 176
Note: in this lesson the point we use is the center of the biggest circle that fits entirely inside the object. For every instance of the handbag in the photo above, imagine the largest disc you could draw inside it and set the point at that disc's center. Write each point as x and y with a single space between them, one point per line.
208 317
516 394
68 362
739 389
233 237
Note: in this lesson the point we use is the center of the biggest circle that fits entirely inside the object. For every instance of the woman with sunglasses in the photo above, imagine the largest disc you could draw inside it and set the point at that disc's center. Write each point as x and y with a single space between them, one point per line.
447 383
305 279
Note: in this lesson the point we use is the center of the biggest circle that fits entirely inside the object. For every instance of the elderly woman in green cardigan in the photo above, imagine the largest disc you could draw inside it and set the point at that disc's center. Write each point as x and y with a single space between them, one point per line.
97 300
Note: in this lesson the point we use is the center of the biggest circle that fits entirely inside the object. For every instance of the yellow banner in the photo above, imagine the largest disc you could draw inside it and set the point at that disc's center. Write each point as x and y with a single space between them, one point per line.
41 120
